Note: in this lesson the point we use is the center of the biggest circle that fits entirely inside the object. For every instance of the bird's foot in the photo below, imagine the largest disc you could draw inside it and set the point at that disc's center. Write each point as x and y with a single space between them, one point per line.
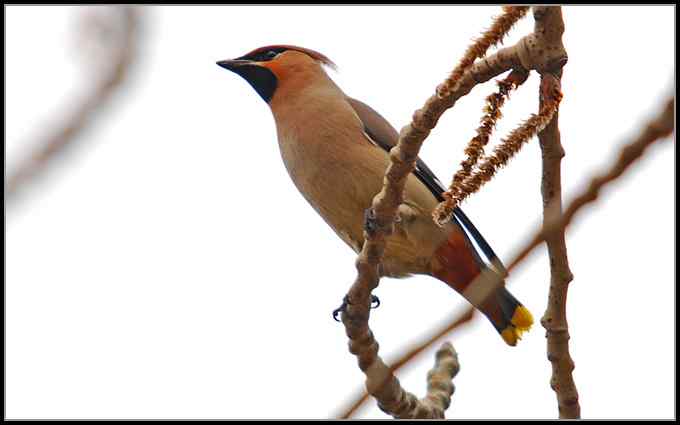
345 302
341 309
370 224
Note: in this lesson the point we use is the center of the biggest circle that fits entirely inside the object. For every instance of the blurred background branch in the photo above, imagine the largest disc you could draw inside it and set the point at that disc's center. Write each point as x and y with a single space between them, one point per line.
109 37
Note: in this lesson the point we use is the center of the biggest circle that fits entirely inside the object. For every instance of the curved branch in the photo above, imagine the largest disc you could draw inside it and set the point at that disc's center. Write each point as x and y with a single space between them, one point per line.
408 356
122 54
380 381
500 26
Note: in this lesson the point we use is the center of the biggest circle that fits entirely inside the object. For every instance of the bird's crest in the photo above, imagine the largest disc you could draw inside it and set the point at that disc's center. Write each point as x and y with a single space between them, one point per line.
283 47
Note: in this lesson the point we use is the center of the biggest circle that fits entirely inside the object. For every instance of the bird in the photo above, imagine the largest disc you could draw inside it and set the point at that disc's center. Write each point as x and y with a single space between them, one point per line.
336 150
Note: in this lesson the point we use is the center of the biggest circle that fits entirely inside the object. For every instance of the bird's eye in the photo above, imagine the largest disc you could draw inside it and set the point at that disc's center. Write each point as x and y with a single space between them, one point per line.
271 54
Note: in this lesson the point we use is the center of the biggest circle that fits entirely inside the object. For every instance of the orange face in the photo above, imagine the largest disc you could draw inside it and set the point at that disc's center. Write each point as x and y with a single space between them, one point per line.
269 68
288 63
280 65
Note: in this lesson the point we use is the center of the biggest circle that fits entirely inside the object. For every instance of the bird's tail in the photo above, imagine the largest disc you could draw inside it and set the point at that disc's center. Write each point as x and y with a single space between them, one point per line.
457 263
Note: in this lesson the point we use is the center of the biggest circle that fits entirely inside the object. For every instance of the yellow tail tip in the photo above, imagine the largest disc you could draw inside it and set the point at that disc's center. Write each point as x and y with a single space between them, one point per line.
510 335
522 319
520 323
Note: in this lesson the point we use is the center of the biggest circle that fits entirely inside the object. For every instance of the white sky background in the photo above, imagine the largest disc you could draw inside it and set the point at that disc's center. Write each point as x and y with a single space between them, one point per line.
168 268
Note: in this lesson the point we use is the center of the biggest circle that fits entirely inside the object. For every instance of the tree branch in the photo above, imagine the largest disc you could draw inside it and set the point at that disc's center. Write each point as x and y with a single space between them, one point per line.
500 26
408 356
461 189
543 50
380 381
555 318
492 113
121 51
657 129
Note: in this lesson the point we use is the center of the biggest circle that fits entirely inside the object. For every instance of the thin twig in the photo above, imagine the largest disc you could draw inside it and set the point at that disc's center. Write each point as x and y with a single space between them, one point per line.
500 26
509 146
492 113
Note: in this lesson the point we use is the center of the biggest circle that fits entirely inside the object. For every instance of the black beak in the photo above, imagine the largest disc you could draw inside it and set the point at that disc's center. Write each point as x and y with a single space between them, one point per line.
260 77
232 64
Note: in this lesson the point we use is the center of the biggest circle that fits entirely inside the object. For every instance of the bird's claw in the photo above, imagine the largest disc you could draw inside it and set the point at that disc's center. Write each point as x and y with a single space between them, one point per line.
345 302
341 309
370 223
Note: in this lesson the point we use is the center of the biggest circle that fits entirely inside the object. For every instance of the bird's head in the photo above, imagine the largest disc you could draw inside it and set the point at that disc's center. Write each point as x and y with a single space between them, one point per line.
267 68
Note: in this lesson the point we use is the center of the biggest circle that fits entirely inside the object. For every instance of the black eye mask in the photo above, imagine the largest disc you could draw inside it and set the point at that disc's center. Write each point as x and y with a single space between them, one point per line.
264 56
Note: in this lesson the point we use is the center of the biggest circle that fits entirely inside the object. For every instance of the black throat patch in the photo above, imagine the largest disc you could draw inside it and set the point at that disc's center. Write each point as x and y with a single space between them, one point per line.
262 79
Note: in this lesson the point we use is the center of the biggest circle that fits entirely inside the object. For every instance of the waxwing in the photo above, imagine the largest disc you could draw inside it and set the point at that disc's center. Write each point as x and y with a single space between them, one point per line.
335 149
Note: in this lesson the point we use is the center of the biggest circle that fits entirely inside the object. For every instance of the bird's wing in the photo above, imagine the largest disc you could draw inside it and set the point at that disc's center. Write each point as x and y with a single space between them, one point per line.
382 134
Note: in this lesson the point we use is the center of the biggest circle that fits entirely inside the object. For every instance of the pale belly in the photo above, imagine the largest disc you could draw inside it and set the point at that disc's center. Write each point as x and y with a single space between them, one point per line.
340 189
